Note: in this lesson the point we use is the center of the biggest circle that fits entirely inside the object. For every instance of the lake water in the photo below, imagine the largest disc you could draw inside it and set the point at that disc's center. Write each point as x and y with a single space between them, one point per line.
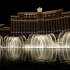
39 59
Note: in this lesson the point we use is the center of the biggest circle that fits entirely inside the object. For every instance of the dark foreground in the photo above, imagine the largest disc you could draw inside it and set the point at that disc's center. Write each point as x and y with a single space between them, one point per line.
28 65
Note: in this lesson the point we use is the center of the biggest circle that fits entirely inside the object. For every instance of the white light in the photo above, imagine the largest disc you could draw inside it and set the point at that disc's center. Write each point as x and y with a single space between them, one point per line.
39 9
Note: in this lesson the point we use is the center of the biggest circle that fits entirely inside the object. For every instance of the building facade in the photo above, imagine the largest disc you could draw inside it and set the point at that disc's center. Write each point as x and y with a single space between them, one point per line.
4 31
39 22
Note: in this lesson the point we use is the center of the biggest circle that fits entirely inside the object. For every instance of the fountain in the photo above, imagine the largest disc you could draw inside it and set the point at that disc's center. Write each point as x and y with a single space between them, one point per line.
13 48
64 53
38 47
1 45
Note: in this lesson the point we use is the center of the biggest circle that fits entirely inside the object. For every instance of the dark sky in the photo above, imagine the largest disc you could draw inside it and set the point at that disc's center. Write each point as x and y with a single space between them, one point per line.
11 7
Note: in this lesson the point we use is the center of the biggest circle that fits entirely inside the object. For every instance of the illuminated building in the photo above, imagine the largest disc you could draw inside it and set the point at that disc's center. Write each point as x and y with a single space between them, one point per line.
53 21
4 31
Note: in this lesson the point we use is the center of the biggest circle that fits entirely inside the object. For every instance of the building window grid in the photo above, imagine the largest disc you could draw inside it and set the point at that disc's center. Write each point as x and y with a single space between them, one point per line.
13 27
40 26
30 27
24 25
46 26
60 24
24 28
21 27
57 24
63 23
16 26
27 27
67 24
50 25
43 27
54 25
34 27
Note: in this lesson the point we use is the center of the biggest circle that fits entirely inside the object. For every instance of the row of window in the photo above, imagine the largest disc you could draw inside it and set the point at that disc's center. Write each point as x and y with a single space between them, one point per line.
52 25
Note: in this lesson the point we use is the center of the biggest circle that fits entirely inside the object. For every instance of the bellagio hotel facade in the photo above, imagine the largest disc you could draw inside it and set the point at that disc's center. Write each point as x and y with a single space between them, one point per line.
53 21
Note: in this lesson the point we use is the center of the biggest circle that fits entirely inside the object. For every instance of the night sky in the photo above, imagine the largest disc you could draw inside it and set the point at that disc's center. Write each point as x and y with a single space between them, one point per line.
8 8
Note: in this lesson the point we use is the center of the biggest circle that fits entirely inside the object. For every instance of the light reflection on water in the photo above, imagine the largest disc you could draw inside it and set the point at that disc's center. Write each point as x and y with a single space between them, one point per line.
37 55
33 54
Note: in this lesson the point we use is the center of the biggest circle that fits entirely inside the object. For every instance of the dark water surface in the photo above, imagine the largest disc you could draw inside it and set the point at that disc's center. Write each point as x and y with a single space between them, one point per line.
32 65
35 65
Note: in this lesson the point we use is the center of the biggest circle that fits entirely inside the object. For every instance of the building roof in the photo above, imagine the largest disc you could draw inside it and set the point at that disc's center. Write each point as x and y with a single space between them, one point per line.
51 11
68 12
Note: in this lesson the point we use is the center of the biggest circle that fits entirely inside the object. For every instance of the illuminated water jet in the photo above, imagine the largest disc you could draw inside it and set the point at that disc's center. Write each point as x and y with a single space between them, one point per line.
64 52
37 47
12 48
1 45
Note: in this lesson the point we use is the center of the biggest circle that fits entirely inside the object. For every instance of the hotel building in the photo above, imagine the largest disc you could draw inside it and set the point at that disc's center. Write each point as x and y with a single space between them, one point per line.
4 31
40 22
